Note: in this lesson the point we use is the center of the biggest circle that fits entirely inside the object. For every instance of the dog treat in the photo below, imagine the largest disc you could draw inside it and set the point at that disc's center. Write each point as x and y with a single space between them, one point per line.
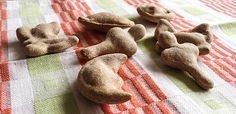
44 39
117 41
183 57
199 36
154 13
104 21
99 82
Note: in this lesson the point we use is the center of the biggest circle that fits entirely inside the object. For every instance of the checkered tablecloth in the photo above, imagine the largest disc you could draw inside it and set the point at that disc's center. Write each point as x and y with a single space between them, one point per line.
47 84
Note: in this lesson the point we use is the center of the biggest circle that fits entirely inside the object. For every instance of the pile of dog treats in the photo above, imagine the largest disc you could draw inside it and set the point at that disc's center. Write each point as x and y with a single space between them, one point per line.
98 80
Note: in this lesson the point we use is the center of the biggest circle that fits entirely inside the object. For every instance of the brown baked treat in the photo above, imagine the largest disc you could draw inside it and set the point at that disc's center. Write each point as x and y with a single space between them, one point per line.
104 21
154 13
44 39
183 57
117 41
99 82
200 36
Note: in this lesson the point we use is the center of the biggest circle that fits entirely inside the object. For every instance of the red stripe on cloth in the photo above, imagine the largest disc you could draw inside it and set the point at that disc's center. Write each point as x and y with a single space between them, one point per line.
56 8
87 12
121 107
227 60
74 26
71 5
106 109
65 17
131 67
64 6
1 54
212 54
122 74
1 23
6 111
154 87
142 91
231 72
188 23
80 44
218 50
205 57
57 1
183 25
86 6
163 108
87 38
177 14
4 14
148 110
230 14
79 6
174 24
217 71
227 7
218 7
4 45
4 38
133 99
5 72
66 29
73 15
223 46
82 61
132 111
0 5
1 95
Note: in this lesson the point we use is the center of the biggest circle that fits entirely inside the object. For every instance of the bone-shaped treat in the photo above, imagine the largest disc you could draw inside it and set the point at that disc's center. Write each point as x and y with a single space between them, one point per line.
44 39
104 21
200 36
117 41
99 82
154 13
183 57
